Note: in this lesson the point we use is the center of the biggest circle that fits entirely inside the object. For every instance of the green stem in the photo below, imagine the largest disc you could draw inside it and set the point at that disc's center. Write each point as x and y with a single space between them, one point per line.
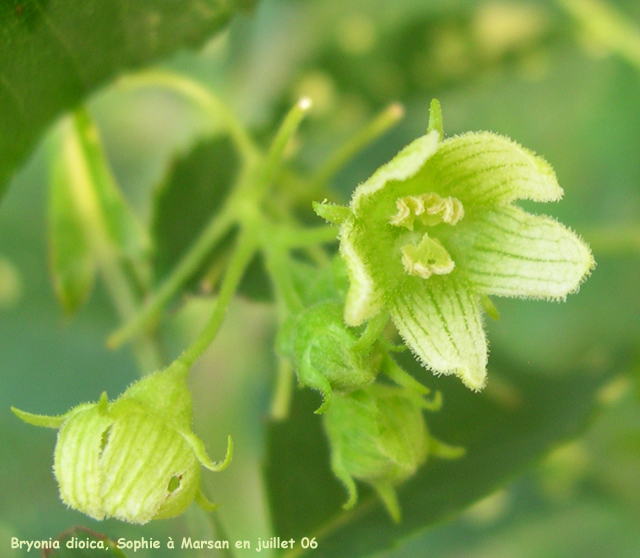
243 204
286 131
245 250
375 327
402 377
277 264
301 238
288 303
371 132
608 26
215 230
284 387
201 97
145 347
339 520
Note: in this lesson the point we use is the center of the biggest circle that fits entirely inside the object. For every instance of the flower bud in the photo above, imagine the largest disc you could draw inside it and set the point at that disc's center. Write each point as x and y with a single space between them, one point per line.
324 356
377 435
136 458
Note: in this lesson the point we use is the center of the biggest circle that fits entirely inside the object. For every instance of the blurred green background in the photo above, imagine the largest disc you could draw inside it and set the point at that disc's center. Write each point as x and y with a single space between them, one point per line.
524 69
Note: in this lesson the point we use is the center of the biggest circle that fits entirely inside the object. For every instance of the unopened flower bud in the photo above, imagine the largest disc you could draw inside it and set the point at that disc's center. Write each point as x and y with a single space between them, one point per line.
323 353
136 458
378 435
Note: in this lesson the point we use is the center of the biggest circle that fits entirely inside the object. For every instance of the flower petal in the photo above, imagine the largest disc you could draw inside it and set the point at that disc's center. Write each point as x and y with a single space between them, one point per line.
439 319
363 299
487 169
402 167
514 253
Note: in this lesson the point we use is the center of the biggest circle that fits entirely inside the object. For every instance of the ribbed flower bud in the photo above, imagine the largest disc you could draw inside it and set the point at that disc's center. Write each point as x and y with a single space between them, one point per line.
136 458
323 353
377 435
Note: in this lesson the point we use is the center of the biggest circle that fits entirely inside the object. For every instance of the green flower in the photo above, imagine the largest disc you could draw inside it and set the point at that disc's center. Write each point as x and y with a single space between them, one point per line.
136 458
378 435
323 353
435 230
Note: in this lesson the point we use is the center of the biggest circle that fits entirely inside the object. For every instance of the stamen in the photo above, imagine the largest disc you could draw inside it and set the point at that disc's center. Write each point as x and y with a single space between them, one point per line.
430 209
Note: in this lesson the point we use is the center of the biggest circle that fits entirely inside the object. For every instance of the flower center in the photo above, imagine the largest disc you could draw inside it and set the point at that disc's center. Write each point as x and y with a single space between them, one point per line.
429 256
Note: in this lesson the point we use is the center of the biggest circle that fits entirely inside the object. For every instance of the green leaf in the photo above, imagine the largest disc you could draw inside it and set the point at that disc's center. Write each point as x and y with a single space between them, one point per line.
72 265
78 539
53 53
501 433
122 227
87 213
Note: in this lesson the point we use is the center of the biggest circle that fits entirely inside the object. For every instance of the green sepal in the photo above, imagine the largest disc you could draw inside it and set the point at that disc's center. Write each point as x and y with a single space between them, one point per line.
46 421
401 377
445 451
389 498
332 212
103 403
199 449
435 118
205 503
489 307
373 331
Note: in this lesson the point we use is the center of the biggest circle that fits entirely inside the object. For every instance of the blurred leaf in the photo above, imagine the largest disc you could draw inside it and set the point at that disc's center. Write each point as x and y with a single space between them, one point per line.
589 529
519 417
192 193
53 53
121 224
81 536
72 265
88 216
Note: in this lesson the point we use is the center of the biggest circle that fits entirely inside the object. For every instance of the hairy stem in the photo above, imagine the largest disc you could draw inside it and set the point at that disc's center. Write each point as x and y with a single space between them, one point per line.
245 250
286 131
284 387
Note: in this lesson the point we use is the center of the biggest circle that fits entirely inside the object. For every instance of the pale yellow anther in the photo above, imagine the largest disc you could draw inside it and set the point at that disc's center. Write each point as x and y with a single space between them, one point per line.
429 208
427 258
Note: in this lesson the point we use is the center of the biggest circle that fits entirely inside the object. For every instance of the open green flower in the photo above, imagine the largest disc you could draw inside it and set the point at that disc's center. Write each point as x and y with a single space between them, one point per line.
136 458
435 230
